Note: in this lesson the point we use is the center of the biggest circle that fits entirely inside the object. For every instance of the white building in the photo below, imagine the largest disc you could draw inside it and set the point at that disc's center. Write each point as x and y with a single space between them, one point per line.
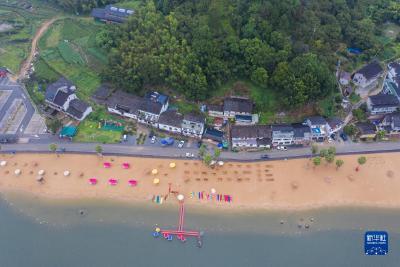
368 74
171 121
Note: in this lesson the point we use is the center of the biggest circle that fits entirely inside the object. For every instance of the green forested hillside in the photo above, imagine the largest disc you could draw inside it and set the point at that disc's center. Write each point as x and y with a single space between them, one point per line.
287 46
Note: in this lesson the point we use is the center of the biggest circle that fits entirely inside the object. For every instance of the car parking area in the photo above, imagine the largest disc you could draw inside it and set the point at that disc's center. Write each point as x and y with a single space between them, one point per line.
16 110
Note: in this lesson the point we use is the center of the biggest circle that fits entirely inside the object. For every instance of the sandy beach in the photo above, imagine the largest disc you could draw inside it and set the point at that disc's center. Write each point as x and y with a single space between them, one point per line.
290 184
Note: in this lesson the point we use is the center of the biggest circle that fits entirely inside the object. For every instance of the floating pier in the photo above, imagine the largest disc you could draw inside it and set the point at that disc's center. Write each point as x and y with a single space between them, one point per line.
180 233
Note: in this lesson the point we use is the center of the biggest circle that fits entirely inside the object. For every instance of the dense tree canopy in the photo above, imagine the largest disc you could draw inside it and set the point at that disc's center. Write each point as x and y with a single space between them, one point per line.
81 5
284 45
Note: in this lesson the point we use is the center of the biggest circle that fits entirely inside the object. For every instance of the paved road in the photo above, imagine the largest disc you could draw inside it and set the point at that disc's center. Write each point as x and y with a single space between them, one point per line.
17 92
122 149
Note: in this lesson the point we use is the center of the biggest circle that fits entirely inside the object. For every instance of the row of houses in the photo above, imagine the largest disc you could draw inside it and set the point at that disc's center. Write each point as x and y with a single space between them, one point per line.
314 128
152 109
61 96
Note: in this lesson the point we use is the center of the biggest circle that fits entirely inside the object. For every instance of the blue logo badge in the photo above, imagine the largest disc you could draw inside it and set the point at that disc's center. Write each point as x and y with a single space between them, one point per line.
376 243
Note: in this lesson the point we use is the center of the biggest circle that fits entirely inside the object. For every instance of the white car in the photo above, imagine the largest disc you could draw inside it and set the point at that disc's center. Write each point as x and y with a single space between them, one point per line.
181 143
281 148
153 139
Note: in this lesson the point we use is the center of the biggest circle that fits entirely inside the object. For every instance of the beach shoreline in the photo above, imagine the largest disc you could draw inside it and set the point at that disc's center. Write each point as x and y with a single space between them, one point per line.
260 186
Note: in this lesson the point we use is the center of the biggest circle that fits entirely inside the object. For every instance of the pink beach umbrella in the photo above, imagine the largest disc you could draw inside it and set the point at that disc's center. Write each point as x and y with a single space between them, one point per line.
112 181
132 182
107 165
126 165
93 181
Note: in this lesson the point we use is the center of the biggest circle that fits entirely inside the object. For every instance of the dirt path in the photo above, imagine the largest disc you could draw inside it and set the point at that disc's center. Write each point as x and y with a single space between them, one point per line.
26 64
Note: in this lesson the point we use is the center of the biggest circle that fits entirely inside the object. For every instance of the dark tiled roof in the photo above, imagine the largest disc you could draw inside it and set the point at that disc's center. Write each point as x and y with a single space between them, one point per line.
77 108
198 118
237 104
79 105
52 89
213 134
124 101
252 131
151 107
111 13
382 100
334 122
217 108
300 130
366 128
171 118
102 93
282 128
371 70
61 97
317 120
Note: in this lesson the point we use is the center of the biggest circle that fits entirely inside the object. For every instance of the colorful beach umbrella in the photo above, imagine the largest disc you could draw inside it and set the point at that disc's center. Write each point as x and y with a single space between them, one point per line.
132 182
3 163
213 191
41 172
156 181
66 173
112 181
93 181
154 171
126 165
17 172
172 165
180 197
107 165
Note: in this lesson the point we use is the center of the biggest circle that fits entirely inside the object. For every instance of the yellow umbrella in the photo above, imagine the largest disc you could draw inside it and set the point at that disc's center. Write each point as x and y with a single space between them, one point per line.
158 229
154 171
172 165
156 181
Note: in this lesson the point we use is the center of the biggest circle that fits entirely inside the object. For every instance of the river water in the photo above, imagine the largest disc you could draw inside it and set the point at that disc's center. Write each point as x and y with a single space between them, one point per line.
43 233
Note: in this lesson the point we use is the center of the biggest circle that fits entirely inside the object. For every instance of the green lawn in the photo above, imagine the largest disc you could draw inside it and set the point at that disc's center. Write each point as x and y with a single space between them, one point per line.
88 131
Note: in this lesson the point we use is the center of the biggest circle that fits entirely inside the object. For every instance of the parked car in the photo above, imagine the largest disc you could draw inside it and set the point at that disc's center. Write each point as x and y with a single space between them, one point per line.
344 137
153 139
189 155
264 157
333 136
281 148
181 143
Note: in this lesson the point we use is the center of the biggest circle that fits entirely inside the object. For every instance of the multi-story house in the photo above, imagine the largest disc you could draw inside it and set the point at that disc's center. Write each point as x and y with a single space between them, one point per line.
251 136
282 134
382 104
193 125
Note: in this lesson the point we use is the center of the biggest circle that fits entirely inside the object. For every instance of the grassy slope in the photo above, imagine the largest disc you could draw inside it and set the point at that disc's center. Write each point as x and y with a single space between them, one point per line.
68 49
14 47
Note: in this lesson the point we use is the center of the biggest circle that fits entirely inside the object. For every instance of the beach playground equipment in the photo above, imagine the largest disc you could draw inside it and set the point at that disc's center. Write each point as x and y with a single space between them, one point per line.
179 233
